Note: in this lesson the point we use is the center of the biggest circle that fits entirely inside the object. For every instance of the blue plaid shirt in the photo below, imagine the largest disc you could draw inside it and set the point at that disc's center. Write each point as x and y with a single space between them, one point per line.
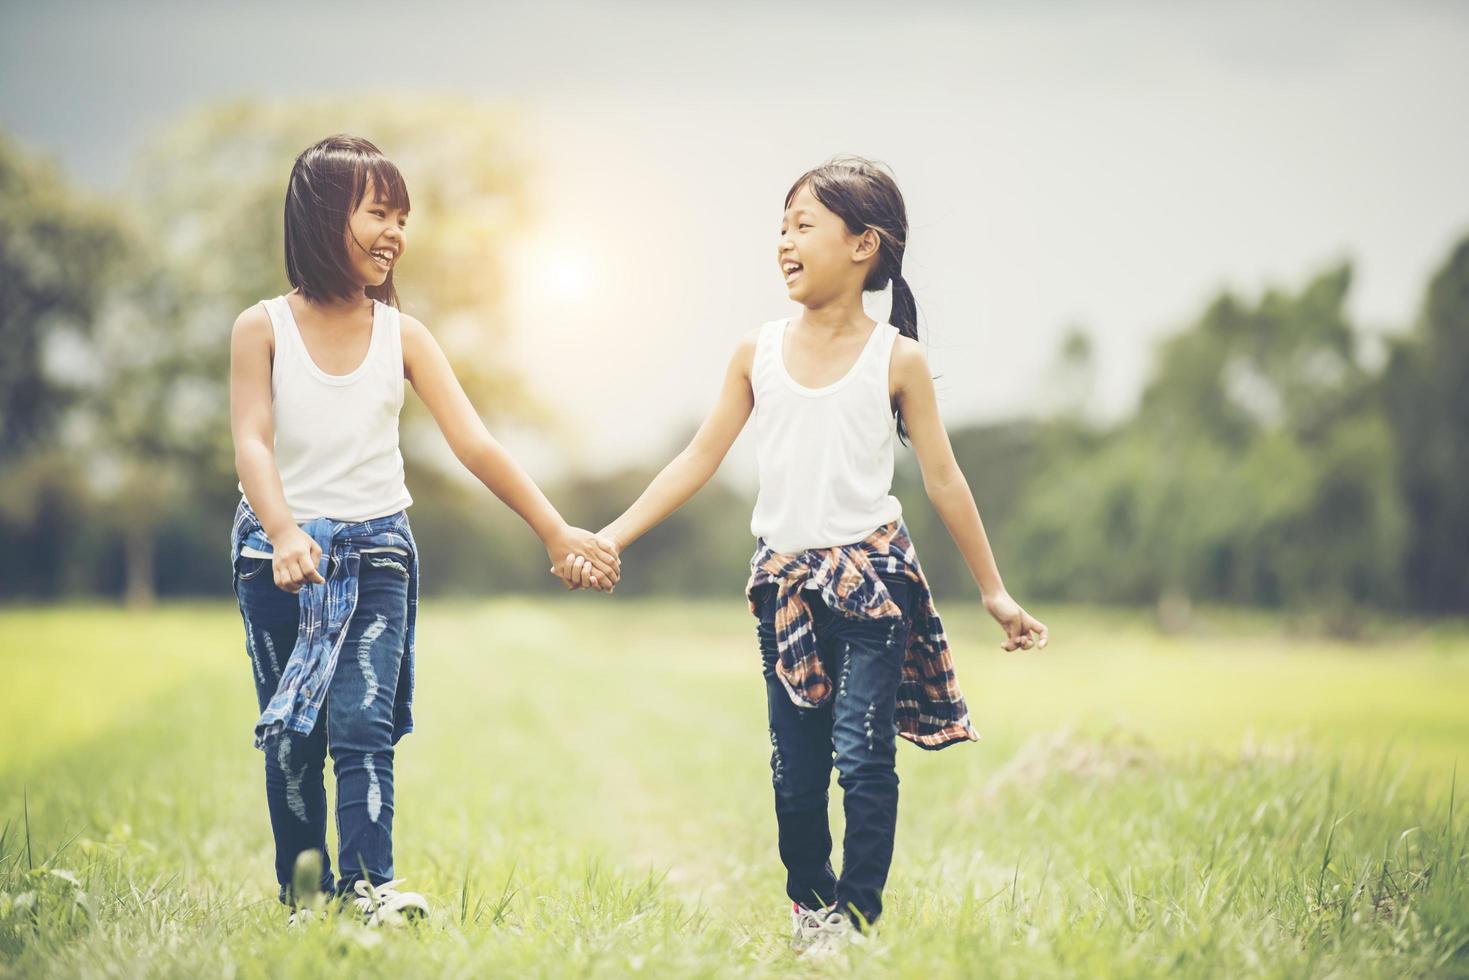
326 612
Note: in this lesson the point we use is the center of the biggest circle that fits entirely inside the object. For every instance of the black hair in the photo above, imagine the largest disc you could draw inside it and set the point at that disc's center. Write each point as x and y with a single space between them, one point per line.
865 195
327 183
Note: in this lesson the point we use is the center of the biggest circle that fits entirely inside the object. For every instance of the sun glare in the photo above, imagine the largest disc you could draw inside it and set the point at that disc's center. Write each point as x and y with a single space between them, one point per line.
563 273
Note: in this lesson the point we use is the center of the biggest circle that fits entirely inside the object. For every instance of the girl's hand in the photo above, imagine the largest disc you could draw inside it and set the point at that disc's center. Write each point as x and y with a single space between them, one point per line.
294 560
582 560
1022 630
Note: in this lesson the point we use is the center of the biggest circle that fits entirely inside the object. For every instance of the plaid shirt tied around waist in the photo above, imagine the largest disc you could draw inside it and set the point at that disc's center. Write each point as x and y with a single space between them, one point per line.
931 712
326 612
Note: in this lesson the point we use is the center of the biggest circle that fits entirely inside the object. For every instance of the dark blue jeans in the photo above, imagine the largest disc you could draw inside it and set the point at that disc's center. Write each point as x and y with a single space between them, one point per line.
865 660
355 726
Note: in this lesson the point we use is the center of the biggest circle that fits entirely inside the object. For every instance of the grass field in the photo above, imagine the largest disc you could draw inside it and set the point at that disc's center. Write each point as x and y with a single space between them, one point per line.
588 794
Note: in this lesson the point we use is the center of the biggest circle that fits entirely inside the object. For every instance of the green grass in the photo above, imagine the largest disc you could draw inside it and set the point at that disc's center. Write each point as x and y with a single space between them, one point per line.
588 794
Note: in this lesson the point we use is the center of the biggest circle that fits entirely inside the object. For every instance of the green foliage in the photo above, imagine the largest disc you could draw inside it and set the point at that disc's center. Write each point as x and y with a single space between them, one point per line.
60 255
58 249
1000 462
1266 463
1258 442
1426 387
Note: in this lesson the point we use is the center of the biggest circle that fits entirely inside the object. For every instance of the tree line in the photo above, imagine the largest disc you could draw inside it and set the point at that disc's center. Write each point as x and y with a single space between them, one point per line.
1275 457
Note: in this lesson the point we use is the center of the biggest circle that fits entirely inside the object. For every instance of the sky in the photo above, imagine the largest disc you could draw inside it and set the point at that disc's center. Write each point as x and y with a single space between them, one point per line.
1066 165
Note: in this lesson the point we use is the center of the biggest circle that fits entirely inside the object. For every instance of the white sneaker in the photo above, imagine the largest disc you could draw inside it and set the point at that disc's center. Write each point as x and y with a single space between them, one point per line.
385 905
835 936
301 916
806 924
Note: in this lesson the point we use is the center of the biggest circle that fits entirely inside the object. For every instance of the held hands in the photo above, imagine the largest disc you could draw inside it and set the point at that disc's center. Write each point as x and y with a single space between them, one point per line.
294 559
1022 630
583 560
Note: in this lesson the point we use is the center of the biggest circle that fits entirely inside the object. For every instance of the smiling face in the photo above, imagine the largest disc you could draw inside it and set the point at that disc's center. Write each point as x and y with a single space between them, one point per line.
344 201
819 257
377 236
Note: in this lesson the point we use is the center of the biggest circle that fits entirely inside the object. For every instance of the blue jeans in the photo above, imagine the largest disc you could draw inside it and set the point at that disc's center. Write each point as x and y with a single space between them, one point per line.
856 726
356 725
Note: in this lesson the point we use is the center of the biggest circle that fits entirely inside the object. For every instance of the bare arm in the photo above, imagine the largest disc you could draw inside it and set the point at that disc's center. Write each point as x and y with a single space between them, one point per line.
252 426
432 377
692 468
912 389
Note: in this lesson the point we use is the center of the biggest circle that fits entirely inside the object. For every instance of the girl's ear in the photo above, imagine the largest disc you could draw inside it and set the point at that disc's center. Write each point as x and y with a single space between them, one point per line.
867 246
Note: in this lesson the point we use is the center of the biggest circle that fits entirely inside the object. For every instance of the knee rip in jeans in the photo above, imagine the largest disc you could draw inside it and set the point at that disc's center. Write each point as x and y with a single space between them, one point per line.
364 658
374 789
777 764
294 801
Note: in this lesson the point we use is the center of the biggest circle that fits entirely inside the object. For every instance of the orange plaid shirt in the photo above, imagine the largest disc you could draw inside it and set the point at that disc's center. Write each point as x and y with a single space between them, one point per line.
931 711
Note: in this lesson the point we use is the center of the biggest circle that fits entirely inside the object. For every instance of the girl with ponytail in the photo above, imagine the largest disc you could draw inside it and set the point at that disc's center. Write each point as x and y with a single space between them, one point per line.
853 650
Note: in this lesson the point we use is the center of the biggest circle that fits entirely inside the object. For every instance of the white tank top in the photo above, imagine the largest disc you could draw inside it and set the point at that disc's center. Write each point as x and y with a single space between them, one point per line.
336 435
825 454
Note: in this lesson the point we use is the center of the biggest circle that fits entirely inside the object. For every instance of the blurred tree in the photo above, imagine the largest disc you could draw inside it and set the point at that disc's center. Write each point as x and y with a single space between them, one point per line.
60 252
1288 361
1426 388
1000 461
1257 441
154 423
1075 375
58 255
1264 465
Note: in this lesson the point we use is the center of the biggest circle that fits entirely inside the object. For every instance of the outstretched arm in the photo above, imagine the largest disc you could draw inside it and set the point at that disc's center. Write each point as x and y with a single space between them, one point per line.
692 468
426 367
912 389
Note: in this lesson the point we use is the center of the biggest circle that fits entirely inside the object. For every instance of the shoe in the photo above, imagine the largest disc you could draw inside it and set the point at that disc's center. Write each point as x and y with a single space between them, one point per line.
304 895
301 917
385 905
806 924
834 937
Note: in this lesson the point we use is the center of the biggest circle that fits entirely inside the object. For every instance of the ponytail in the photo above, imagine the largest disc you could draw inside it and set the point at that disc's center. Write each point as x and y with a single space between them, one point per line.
905 311
904 316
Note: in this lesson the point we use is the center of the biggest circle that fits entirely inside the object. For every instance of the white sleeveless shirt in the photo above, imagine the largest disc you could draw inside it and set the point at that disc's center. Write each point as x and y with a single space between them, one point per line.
336 435
825 454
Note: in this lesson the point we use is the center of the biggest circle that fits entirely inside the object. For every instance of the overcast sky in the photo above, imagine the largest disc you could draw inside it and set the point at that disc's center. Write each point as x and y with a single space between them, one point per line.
1108 166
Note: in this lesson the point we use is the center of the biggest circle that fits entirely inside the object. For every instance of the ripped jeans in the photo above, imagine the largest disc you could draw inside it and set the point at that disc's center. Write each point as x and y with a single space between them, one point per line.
355 725
856 726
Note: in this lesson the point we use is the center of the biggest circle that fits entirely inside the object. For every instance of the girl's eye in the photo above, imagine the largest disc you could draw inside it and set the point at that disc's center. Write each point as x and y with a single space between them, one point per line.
803 226
380 213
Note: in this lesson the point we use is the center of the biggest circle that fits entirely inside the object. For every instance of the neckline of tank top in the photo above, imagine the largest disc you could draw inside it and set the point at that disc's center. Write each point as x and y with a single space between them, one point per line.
311 365
839 383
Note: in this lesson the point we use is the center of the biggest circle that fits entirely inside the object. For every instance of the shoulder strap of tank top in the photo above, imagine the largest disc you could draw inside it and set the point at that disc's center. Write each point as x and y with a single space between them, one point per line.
765 343
887 339
882 364
280 324
767 349
389 320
